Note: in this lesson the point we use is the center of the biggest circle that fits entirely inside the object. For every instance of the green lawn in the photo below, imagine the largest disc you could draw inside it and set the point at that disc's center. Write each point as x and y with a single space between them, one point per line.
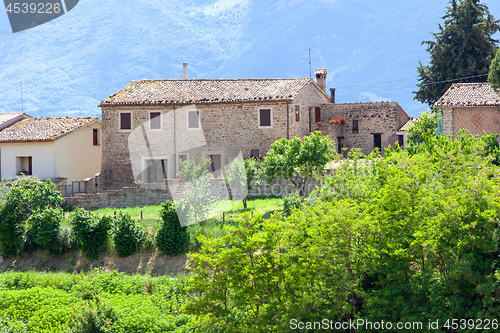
151 214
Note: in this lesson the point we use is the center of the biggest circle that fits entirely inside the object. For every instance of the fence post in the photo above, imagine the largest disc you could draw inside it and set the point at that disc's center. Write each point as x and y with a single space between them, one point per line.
223 217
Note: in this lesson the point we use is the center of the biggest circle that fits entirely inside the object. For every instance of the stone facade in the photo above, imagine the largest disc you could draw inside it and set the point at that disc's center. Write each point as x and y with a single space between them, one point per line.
383 118
225 128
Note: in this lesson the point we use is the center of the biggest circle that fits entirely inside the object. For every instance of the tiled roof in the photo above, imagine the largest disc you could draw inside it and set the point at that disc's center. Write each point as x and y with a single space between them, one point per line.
183 92
42 129
469 94
409 123
5 117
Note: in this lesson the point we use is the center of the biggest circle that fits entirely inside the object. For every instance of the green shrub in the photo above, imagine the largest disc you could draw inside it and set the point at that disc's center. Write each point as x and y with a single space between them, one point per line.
171 239
10 326
128 236
5 186
23 199
91 232
292 202
94 317
43 229
66 239
27 182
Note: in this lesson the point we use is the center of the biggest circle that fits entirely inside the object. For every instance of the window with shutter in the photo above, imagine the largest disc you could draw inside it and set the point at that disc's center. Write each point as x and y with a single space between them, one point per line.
95 136
265 117
125 120
154 120
297 113
193 119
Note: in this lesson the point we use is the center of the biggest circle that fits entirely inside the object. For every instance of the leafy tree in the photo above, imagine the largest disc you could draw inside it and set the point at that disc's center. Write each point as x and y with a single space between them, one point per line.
464 48
241 177
43 228
298 159
424 126
192 171
494 74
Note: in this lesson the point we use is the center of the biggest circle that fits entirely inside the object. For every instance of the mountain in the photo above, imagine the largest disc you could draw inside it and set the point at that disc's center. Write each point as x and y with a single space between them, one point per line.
70 64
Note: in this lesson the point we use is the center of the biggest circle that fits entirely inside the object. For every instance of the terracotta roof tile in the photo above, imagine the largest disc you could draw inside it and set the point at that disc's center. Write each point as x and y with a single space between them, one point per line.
42 129
409 123
469 94
5 117
182 92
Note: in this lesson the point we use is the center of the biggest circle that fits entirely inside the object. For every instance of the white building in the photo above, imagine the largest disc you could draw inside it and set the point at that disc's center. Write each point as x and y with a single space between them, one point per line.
51 148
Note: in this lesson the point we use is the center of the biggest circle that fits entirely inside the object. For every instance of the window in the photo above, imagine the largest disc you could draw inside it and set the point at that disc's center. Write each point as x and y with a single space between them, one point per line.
24 165
254 153
156 170
154 120
193 119
215 166
95 136
265 117
125 121
317 115
297 113
355 128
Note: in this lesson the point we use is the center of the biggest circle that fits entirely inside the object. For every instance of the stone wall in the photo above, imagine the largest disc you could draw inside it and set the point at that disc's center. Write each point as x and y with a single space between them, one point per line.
373 118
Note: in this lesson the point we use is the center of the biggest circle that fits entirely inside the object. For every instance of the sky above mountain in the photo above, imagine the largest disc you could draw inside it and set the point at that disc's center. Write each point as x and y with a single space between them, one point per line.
69 65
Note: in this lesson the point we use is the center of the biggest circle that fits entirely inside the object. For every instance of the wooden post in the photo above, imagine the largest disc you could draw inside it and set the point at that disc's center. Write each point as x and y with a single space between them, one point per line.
223 217
115 214
141 214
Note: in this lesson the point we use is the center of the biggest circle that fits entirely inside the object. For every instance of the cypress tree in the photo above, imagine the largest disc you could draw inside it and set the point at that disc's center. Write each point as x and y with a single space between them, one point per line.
462 50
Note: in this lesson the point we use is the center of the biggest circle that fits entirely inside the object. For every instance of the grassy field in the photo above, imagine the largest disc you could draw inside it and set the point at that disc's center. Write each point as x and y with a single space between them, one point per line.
228 209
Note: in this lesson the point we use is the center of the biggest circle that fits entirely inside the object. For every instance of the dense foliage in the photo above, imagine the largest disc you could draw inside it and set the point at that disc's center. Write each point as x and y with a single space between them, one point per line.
43 229
171 239
242 176
423 127
21 201
128 235
410 237
462 49
299 159
91 232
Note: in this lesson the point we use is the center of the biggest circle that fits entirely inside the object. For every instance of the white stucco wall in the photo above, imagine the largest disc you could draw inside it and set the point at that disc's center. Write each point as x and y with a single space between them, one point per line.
76 156
72 156
42 153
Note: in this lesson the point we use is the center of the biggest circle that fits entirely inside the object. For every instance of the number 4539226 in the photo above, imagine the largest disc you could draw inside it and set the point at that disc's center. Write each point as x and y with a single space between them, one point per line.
471 324
33 8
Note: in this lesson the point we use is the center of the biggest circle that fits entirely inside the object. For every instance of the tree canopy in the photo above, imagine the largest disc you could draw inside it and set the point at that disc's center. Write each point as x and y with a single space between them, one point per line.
462 50
494 74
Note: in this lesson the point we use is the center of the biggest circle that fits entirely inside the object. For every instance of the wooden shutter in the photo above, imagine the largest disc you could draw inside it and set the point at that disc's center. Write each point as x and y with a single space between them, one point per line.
95 136
265 117
125 120
317 117
297 113
30 166
194 119
154 120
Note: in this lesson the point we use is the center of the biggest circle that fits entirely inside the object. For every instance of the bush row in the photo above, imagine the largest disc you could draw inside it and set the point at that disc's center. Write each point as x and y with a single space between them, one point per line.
31 218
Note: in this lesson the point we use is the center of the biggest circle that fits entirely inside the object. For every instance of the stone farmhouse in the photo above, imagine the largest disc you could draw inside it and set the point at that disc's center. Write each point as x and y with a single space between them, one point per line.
151 125
471 106
57 148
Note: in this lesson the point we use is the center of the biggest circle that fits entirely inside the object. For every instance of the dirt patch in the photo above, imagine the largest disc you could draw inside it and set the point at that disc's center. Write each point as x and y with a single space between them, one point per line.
151 263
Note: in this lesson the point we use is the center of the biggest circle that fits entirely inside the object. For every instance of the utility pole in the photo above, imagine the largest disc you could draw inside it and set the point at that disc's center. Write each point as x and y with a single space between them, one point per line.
22 102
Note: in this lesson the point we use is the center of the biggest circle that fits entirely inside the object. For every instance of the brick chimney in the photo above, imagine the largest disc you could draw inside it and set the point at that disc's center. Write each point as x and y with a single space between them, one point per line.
185 70
321 78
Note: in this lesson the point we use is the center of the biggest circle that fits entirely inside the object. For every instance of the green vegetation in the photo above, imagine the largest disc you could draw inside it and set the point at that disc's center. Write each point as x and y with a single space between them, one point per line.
462 49
494 73
95 302
423 127
91 232
128 236
171 239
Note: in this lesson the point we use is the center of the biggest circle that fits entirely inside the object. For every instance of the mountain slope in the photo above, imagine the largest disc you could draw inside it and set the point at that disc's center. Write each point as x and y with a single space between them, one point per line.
72 63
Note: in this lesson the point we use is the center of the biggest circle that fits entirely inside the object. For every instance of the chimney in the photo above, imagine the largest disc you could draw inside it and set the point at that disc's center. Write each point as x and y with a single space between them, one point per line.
185 69
321 78
332 95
